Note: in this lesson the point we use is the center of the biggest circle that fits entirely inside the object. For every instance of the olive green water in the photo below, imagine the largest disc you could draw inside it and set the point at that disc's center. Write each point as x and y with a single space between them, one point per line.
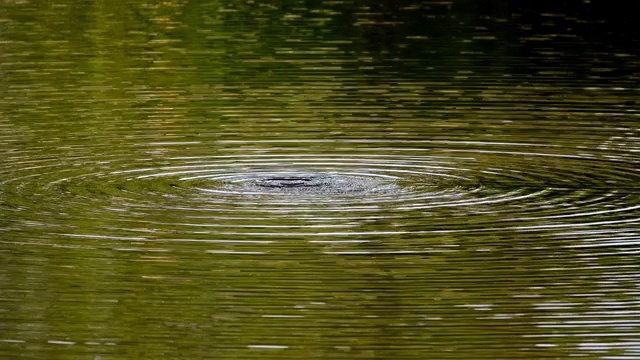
319 180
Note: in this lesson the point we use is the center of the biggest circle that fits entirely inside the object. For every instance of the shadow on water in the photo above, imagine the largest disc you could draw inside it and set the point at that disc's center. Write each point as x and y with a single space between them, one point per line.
318 179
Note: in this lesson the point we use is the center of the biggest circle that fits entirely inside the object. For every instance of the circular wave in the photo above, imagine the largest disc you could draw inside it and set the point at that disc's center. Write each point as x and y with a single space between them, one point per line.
407 190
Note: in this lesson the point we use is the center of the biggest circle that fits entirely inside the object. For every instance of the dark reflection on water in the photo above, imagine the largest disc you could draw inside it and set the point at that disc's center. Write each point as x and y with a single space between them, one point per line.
319 179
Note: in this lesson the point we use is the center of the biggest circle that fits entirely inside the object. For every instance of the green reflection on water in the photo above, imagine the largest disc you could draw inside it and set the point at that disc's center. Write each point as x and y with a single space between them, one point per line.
107 252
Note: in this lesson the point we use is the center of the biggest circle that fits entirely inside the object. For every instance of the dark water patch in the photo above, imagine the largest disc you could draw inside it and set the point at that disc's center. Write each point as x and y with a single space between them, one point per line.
283 182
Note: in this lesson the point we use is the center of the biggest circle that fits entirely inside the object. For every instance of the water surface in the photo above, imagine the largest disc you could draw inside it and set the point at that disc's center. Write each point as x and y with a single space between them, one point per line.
318 180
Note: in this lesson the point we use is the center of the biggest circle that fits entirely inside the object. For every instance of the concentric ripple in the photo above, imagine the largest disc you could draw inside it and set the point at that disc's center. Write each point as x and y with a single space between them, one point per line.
417 189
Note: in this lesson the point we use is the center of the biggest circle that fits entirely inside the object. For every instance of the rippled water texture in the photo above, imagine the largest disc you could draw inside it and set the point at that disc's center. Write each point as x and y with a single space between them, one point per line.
319 180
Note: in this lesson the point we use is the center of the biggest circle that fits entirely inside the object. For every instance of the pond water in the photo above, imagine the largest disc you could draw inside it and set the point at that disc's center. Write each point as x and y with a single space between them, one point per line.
319 180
